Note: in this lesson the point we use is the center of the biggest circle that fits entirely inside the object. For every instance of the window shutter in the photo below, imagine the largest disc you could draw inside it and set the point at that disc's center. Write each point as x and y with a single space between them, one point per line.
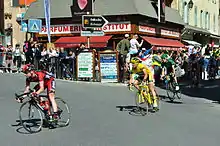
15 3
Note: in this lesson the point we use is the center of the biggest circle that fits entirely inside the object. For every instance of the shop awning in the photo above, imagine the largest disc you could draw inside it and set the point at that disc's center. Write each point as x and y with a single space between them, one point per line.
95 41
161 42
192 43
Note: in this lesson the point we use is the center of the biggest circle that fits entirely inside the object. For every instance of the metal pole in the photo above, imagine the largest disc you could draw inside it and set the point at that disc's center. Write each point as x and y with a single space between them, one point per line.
158 5
26 33
88 41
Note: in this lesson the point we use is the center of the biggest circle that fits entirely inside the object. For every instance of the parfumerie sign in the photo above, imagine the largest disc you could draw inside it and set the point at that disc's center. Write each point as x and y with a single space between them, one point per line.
77 28
170 33
147 29
164 32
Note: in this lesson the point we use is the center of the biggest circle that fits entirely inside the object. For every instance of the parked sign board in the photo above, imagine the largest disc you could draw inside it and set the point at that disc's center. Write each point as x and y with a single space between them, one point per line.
108 66
85 65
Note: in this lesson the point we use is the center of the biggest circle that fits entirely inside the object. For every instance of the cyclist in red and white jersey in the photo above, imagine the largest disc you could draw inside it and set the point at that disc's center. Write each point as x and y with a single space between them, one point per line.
45 81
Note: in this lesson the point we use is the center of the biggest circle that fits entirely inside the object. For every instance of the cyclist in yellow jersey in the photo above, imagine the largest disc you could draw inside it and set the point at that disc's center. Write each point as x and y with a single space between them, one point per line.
144 75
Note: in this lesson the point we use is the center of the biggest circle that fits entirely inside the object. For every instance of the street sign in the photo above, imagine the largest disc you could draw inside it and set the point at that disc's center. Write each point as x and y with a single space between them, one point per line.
93 21
34 25
92 33
24 26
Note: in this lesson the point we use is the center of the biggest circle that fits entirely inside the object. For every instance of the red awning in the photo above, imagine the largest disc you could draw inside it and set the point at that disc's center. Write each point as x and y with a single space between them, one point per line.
164 42
95 41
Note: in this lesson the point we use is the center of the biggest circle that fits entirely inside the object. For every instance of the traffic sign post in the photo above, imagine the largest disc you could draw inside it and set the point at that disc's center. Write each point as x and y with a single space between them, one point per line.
92 22
34 25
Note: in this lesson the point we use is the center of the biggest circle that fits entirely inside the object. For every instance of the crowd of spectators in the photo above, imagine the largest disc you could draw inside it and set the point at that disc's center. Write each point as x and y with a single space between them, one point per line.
62 62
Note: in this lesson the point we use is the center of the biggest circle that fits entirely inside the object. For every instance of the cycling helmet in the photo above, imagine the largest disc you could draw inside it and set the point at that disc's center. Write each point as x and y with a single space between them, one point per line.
27 68
164 56
135 60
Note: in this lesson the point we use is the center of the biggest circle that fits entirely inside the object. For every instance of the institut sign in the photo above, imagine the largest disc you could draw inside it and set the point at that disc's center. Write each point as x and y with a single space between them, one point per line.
77 28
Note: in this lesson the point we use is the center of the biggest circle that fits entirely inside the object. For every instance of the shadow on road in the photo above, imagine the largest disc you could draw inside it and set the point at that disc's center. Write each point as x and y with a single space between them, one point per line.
208 89
20 128
167 100
132 110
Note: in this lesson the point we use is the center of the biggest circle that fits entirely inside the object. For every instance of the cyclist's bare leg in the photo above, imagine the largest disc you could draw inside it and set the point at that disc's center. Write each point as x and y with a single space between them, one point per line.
53 102
152 90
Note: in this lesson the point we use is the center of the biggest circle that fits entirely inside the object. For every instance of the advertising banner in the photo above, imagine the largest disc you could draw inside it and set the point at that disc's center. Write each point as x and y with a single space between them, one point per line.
81 7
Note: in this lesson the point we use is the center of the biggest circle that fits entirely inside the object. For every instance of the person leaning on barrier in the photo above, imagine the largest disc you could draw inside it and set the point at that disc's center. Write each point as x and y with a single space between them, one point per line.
123 48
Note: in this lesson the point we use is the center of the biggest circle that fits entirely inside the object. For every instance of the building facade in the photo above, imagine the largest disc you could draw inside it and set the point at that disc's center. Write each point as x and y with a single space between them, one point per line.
1 21
130 16
12 28
201 19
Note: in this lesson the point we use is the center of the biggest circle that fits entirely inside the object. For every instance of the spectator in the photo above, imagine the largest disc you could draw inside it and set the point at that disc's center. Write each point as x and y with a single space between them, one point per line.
53 52
1 56
9 58
123 48
17 57
142 54
135 45
37 55
28 52
82 48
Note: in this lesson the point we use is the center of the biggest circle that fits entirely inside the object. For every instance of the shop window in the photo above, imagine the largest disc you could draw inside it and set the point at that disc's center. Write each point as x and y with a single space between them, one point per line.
214 29
182 8
206 20
186 13
15 3
201 18
209 21
195 15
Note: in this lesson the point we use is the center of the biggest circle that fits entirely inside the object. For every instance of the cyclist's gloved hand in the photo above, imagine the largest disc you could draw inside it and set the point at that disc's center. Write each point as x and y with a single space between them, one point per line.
144 82
34 94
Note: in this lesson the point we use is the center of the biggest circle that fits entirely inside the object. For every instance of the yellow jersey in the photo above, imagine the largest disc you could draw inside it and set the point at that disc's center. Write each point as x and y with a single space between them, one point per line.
139 69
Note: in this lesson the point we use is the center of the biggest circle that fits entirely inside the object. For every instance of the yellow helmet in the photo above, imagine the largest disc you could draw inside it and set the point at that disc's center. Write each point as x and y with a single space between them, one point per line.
135 60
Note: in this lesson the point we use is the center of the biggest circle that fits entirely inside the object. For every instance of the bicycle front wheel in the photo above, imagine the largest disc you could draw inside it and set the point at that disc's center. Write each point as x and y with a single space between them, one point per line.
30 117
142 104
63 112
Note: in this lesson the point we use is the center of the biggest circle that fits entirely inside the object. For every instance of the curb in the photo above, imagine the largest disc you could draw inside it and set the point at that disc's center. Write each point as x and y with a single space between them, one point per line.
93 83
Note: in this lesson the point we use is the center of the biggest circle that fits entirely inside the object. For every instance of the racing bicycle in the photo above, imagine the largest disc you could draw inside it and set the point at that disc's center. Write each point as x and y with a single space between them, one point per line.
33 115
172 93
144 99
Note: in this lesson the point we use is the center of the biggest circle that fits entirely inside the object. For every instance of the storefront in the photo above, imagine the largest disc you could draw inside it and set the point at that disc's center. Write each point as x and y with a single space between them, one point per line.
162 38
121 21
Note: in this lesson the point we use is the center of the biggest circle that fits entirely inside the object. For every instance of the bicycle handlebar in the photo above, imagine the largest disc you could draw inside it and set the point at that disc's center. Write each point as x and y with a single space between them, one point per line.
19 96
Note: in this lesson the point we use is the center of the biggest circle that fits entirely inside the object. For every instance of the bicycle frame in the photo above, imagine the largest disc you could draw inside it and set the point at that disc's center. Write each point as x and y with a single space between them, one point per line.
32 100
145 93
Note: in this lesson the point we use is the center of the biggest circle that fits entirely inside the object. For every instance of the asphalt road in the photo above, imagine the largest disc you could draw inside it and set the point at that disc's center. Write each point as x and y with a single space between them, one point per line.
96 119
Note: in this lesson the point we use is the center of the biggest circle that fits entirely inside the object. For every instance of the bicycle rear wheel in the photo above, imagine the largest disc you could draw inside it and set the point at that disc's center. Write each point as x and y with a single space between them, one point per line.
142 106
30 117
63 112
170 91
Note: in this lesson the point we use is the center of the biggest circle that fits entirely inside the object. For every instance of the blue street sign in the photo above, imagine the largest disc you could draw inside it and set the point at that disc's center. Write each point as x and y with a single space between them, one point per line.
92 33
34 25
24 26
